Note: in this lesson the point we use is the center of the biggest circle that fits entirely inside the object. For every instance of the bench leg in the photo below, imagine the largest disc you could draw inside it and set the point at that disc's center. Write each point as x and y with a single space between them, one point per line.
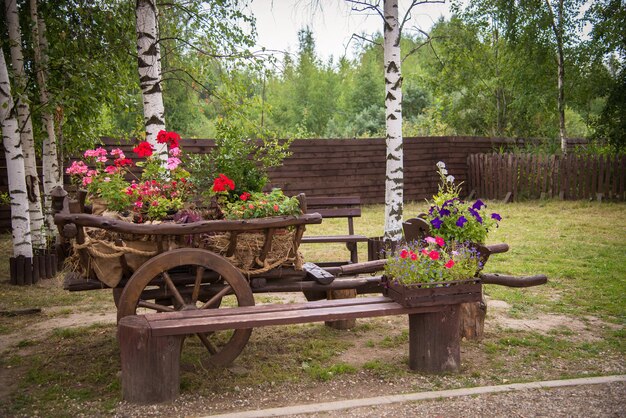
150 365
354 253
434 341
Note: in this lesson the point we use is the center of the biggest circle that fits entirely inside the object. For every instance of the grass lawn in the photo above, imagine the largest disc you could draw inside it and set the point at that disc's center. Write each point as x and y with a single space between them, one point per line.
69 370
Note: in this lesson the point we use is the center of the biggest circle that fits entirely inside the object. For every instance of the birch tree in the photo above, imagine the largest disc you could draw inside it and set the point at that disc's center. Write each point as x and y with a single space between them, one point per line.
50 160
25 125
394 176
20 222
149 64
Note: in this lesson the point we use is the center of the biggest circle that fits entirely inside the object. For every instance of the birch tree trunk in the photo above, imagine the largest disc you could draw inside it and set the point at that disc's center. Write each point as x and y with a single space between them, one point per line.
50 160
149 63
557 28
20 222
25 126
394 180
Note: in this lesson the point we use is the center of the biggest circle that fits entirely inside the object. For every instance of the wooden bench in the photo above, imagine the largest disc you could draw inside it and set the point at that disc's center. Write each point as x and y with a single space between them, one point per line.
150 345
348 207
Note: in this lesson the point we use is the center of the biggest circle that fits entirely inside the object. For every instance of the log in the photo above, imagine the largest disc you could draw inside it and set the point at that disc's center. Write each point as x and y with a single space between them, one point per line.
434 341
342 324
150 365
472 320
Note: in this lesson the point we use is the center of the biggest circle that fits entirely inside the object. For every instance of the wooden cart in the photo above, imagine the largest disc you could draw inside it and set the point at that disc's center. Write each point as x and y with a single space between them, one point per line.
190 277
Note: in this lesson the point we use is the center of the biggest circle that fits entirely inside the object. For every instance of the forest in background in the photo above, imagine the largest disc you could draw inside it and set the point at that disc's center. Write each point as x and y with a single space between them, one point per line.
490 70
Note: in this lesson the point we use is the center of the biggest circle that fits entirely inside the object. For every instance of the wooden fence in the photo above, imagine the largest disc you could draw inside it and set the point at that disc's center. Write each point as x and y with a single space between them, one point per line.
335 167
527 176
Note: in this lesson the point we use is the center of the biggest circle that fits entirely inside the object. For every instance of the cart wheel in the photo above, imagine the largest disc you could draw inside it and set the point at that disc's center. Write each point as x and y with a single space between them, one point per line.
159 285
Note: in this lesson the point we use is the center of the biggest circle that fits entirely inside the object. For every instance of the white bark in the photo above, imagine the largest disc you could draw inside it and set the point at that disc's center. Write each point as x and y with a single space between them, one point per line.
394 180
149 63
20 223
25 125
50 160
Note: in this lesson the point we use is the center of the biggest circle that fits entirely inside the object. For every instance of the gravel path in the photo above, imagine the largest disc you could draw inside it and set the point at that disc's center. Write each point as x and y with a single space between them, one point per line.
607 400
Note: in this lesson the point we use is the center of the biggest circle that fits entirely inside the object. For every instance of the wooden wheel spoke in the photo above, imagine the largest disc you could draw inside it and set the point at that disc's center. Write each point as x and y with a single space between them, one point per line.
197 283
154 306
172 288
207 343
215 299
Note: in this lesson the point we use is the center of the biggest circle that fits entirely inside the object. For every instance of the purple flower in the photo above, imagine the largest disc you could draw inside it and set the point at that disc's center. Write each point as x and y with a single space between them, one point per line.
478 204
444 212
436 223
496 216
461 221
476 215
431 210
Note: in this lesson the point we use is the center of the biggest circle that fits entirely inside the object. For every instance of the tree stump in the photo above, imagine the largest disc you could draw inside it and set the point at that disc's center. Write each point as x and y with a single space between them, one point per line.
341 294
150 366
472 320
434 341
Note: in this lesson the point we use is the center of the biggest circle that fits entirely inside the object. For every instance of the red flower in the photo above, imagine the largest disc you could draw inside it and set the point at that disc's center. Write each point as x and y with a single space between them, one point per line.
121 162
413 256
425 251
440 242
434 255
404 254
244 196
275 208
449 264
143 150
221 183
170 138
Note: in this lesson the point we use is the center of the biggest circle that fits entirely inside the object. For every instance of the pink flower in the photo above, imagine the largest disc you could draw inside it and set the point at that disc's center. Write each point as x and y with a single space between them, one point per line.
430 240
102 159
175 152
449 264
440 241
139 204
155 203
98 152
111 169
87 180
118 152
172 163
107 179
425 251
77 168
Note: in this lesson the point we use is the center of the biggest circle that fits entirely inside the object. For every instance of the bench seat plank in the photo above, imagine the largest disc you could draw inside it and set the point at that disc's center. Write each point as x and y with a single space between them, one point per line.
286 316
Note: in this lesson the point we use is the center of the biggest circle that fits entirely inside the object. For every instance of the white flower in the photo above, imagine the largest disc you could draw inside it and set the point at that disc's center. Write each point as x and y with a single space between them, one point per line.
443 171
441 164
450 179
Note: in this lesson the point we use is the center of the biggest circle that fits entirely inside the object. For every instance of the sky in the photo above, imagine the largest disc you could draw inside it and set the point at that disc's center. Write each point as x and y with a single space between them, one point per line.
332 23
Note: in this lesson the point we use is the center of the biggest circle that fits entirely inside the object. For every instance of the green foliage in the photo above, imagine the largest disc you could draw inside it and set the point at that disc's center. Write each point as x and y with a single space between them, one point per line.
243 159
262 205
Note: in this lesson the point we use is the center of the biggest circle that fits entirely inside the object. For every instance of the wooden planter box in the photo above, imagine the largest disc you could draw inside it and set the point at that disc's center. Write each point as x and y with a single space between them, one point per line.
429 294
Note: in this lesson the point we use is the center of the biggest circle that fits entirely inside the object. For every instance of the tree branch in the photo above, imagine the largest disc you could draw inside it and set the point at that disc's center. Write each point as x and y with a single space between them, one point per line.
407 15
361 6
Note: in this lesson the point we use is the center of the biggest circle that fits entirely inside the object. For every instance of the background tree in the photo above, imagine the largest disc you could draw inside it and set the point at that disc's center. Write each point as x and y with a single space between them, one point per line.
25 124
20 222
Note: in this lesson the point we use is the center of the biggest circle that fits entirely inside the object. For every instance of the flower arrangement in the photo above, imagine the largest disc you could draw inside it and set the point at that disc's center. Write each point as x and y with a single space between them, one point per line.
162 189
261 205
455 220
432 260
105 181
